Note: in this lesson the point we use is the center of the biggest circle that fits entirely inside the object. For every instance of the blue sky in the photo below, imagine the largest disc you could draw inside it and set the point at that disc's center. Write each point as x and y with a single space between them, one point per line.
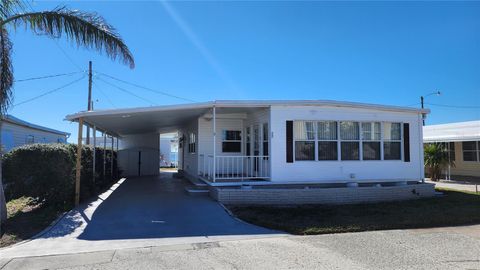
373 52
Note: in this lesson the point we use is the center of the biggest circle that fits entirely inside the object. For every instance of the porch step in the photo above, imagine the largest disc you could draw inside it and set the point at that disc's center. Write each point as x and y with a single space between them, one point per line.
195 190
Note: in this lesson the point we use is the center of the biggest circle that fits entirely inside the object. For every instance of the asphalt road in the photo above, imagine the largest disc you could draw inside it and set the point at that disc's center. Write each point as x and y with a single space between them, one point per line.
441 248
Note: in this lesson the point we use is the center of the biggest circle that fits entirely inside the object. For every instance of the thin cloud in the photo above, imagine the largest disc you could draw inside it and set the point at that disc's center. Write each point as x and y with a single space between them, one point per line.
195 40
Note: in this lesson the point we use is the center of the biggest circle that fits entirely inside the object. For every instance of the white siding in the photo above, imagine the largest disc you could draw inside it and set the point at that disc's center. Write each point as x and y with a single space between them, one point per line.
189 161
16 135
330 171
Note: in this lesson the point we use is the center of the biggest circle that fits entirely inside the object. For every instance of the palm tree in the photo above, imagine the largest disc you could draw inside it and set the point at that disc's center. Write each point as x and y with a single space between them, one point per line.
436 159
85 29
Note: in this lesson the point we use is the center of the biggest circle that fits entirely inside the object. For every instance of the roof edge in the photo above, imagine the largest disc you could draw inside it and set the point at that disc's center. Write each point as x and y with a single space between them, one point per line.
247 103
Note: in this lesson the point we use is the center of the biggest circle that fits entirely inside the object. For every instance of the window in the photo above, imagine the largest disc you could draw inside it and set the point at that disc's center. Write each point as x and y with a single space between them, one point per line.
231 141
471 151
29 139
392 136
327 140
304 137
248 141
192 143
451 150
350 140
371 136
265 139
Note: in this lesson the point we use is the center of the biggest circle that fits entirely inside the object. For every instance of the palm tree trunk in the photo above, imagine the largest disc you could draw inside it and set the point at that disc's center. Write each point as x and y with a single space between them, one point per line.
3 202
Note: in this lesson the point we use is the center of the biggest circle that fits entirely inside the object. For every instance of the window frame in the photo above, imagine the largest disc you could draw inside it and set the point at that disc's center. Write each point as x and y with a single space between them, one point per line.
476 151
379 140
295 140
265 140
27 137
358 141
192 143
382 140
225 140
336 140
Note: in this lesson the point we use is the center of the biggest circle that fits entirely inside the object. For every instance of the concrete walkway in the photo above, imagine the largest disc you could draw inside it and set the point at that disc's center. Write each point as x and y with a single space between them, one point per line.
139 212
461 186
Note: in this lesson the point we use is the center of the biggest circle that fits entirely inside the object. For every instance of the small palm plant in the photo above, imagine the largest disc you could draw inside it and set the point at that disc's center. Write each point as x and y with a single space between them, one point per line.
436 159
84 29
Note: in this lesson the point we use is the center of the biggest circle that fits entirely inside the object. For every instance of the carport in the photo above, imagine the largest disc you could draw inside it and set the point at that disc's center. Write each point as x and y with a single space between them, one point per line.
138 130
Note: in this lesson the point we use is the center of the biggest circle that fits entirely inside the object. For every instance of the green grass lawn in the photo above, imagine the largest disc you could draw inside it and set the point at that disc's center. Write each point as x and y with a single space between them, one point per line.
454 208
26 217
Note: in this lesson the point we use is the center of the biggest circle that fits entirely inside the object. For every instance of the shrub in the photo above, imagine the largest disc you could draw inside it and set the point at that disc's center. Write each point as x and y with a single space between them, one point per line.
47 172
436 159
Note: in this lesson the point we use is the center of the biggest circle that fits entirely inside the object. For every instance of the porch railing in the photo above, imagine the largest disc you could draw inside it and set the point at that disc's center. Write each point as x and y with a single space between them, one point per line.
239 168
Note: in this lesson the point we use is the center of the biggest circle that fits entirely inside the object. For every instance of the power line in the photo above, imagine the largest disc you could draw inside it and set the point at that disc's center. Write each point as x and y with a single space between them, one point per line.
454 106
105 95
146 88
126 91
48 76
48 92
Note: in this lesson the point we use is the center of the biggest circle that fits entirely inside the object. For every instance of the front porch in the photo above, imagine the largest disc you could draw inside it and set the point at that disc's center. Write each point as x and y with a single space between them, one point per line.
233 168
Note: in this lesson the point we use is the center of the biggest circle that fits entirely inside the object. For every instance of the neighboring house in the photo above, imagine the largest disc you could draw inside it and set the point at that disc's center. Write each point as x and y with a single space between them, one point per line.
462 140
16 132
291 144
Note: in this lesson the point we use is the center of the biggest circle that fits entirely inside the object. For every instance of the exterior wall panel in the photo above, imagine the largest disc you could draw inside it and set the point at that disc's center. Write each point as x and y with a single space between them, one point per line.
341 171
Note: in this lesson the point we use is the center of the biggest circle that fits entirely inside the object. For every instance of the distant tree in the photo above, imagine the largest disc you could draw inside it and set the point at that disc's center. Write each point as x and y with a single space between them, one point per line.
436 159
85 29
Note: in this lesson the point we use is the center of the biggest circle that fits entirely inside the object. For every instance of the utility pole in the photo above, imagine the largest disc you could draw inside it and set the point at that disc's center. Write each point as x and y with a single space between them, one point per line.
421 102
423 116
89 105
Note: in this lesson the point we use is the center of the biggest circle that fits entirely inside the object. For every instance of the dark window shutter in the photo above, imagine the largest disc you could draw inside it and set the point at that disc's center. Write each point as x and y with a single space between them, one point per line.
289 141
406 142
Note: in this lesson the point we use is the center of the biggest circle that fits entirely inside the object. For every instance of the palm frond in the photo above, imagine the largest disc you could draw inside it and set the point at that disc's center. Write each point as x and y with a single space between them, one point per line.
9 7
85 29
6 72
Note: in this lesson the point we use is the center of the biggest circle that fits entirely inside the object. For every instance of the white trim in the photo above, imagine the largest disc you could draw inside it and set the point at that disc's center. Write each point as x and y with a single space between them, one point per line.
246 104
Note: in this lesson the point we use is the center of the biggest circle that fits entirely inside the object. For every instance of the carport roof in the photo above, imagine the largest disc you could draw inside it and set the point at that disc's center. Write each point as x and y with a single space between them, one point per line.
168 118
451 132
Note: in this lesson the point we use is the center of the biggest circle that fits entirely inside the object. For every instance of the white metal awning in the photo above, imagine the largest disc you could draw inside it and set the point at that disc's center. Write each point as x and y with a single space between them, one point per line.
452 132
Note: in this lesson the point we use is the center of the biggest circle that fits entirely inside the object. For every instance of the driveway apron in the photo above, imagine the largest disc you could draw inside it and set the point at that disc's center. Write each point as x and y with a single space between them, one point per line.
139 212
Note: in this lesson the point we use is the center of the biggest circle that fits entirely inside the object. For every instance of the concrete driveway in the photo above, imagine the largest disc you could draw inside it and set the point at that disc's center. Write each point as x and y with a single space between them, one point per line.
139 212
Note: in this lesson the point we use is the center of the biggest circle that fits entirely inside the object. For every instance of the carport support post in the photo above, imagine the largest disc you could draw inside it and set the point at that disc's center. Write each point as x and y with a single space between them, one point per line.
214 144
104 153
111 161
94 152
79 162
